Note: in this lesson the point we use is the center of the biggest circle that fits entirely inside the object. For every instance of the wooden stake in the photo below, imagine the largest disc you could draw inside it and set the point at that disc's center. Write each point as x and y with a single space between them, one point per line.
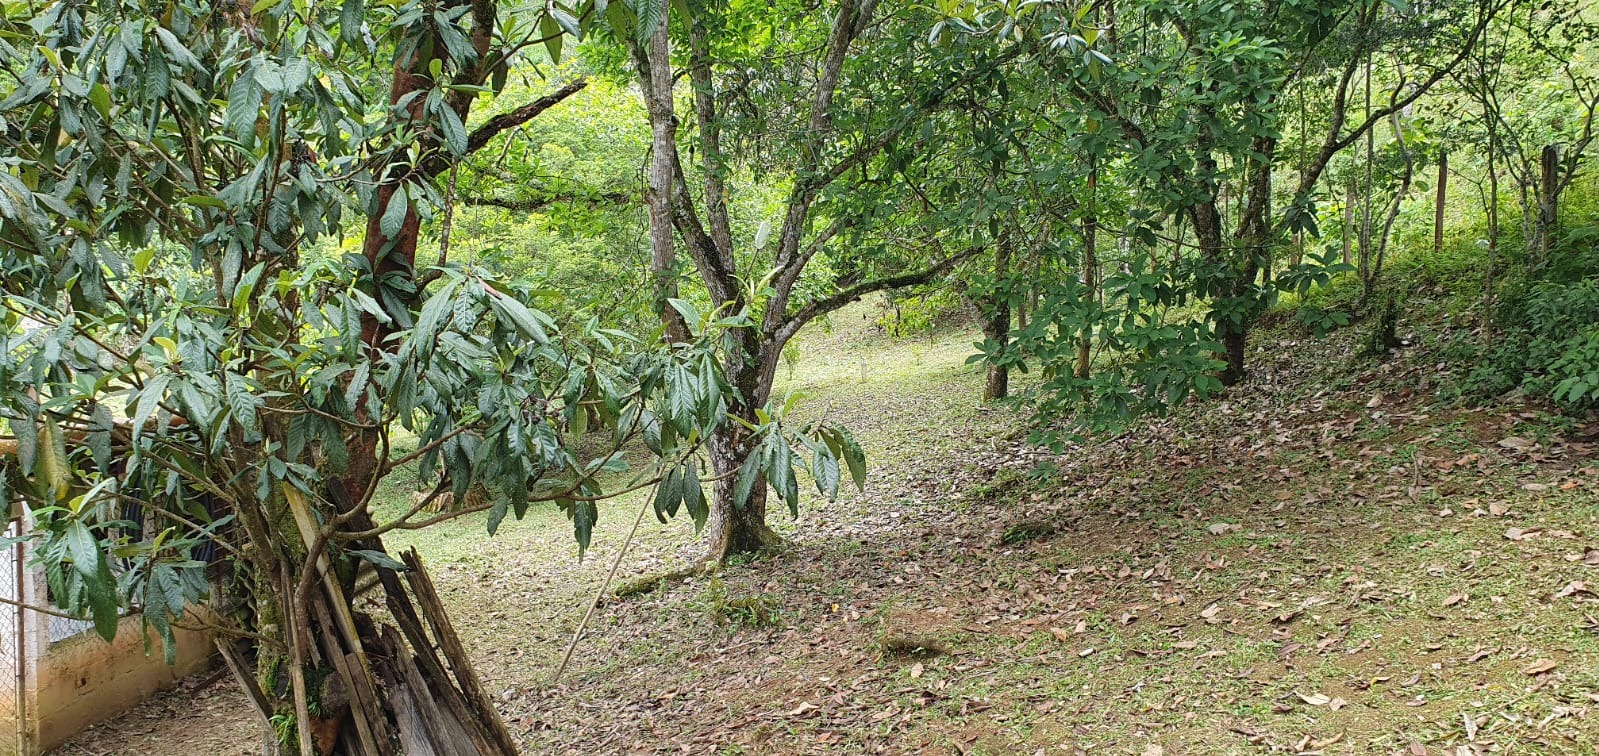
615 563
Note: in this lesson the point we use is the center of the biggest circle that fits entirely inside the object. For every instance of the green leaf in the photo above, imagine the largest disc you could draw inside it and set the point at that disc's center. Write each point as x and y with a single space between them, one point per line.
694 495
567 22
690 313
244 108
246 287
519 316
824 466
454 131
84 549
100 97
393 218
103 605
176 49
584 515
855 458
379 559
748 474
350 15
668 496
649 13
497 513
242 404
551 31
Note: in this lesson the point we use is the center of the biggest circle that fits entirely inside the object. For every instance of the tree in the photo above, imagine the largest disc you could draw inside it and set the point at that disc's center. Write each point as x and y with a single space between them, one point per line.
187 368
829 107
1187 103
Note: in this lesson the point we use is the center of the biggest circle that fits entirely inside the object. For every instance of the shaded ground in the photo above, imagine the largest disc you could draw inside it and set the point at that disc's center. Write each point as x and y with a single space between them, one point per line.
1319 563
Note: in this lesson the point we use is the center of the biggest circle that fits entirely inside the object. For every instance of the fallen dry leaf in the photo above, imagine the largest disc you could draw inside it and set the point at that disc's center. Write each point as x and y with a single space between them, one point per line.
916 670
1521 534
1314 699
1541 666
1455 598
804 708
1574 587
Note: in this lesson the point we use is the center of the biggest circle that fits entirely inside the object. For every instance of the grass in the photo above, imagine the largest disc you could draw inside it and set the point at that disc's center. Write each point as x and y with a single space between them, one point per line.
1368 601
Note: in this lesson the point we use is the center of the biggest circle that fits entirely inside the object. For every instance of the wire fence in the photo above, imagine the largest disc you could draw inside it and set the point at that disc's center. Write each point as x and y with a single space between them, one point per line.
14 651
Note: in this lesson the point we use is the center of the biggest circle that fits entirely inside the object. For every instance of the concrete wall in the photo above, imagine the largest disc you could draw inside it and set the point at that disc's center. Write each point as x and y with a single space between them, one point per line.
85 681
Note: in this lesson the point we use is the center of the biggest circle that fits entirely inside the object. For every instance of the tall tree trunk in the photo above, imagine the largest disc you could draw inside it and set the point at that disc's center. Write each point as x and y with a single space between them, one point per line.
1349 219
1438 209
734 529
1548 204
356 685
655 81
1370 284
1493 232
1208 232
1090 277
1365 203
1252 254
996 323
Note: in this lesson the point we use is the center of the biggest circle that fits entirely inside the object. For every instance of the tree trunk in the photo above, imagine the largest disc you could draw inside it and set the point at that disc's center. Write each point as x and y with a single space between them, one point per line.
1365 205
655 81
1493 233
1370 284
996 323
1548 204
733 530
1208 234
1349 219
1438 210
1090 276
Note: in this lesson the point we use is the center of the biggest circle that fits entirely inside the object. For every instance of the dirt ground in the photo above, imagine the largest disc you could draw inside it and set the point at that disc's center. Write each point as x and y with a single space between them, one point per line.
1321 562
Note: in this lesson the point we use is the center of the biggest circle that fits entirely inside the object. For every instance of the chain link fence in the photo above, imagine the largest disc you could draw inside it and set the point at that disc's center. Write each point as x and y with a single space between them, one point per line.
14 649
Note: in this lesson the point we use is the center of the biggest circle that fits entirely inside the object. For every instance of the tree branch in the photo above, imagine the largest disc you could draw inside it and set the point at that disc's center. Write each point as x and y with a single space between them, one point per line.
718 274
1335 143
506 121
537 203
825 305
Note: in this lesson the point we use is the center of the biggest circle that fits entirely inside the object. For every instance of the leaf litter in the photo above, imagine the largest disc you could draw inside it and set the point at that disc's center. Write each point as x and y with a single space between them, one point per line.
1268 570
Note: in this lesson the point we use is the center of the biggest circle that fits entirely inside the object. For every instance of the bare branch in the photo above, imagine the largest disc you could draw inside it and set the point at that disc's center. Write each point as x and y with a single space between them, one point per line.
492 127
814 308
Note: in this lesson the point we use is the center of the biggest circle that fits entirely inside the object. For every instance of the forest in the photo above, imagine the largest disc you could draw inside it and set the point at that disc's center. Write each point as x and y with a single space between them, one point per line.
713 376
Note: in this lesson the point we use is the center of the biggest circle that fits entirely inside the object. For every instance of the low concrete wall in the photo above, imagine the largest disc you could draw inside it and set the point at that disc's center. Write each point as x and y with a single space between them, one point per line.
84 681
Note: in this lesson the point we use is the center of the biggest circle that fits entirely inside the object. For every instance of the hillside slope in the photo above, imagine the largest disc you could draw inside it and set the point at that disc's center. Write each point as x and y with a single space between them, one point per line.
1320 561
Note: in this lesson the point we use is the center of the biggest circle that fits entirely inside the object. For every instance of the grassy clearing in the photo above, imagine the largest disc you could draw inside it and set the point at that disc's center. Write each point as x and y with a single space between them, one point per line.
1324 560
